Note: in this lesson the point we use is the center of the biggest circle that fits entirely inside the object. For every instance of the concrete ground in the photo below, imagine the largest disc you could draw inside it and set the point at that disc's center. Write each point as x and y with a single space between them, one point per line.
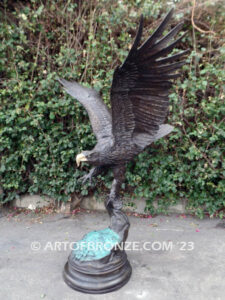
173 257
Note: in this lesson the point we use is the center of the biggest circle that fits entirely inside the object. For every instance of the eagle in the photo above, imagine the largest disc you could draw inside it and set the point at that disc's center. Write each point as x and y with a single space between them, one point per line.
139 99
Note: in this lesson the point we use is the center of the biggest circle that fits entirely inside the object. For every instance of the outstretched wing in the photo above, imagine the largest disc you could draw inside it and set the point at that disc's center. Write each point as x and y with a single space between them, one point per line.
140 88
98 112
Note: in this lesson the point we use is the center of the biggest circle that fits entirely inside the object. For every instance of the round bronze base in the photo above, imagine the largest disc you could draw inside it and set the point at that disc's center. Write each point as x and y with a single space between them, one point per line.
98 276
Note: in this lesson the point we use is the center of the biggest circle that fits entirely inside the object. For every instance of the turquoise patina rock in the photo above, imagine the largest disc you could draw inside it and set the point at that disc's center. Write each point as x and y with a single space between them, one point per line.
95 245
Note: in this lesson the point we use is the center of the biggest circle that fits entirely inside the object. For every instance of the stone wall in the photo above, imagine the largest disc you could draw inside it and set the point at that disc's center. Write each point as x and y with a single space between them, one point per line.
92 203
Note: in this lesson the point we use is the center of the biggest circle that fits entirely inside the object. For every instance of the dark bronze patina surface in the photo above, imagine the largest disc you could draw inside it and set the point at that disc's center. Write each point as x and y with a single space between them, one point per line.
139 105
99 276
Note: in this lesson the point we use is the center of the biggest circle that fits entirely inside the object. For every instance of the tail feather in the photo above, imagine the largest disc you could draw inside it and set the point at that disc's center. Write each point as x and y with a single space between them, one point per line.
143 140
163 131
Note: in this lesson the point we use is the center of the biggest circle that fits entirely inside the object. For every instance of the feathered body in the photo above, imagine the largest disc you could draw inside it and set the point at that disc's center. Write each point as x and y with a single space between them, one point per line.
139 99
139 104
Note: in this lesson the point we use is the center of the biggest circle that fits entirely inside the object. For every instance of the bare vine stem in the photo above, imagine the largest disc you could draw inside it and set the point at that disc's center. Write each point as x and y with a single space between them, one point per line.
193 22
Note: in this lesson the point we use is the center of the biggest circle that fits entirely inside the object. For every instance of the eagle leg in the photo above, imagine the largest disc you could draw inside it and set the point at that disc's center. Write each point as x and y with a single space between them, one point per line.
113 204
92 173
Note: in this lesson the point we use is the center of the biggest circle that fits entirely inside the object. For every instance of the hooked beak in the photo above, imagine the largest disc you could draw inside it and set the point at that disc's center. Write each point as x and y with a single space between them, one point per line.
80 157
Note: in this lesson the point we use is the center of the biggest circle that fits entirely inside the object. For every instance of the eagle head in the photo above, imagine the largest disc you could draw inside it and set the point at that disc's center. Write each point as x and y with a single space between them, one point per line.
88 156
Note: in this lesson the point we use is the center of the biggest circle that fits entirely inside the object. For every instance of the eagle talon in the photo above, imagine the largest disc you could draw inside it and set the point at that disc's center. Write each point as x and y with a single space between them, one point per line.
85 178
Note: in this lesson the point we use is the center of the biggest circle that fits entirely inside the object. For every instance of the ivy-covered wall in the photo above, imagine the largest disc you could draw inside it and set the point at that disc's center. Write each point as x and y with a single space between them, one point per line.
42 128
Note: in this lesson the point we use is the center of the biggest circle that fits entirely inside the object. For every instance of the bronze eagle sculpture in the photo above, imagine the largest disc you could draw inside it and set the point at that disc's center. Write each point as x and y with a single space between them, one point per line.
139 104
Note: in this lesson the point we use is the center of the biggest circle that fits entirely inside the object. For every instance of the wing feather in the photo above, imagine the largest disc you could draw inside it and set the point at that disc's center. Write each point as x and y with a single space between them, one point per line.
98 112
140 87
156 34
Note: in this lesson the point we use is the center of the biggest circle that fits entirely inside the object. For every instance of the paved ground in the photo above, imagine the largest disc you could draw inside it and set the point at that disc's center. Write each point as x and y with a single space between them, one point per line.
185 257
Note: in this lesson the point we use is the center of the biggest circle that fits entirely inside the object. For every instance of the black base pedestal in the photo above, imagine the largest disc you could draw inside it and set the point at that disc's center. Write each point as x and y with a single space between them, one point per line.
98 276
